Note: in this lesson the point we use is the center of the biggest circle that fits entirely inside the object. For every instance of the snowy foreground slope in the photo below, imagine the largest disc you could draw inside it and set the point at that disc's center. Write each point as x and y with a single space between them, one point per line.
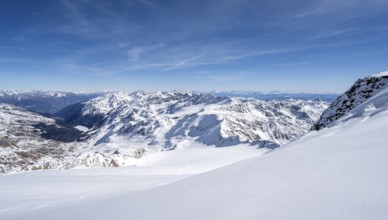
31 193
339 172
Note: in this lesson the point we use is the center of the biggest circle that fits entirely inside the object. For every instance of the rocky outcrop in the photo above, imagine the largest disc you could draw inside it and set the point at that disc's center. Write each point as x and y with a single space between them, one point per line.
361 91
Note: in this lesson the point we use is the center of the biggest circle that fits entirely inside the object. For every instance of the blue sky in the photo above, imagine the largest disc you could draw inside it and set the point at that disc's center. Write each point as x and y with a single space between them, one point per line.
300 45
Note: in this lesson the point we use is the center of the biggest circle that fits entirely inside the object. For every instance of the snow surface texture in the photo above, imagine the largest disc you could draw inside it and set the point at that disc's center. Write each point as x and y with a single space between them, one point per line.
362 90
336 173
30 192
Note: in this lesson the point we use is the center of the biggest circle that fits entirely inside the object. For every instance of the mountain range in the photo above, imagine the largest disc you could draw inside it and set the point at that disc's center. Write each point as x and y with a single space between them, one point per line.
120 128
336 169
116 129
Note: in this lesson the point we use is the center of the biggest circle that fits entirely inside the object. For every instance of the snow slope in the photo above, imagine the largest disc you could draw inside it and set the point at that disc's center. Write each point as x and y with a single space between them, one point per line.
338 172
27 193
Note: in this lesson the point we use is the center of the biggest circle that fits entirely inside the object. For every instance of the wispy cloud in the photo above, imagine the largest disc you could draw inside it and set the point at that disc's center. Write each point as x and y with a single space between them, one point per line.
78 22
184 62
293 64
19 60
223 78
119 38
332 33
253 54
12 48
109 69
203 72
146 2
310 46
322 7
89 19
178 39
135 52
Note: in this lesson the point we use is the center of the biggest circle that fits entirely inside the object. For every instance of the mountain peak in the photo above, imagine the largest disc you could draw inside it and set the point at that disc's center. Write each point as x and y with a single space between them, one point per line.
362 90
383 74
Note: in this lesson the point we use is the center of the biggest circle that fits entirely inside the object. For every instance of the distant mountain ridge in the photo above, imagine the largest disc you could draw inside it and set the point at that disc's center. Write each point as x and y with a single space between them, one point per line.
44 101
327 97
53 101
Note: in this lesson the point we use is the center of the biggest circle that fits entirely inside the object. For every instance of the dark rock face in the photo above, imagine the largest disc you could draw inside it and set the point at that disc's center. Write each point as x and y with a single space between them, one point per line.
61 133
361 91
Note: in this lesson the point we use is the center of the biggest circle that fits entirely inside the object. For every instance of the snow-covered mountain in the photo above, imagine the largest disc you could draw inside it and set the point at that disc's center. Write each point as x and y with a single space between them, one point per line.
44 101
169 120
361 91
119 128
30 141
334 173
